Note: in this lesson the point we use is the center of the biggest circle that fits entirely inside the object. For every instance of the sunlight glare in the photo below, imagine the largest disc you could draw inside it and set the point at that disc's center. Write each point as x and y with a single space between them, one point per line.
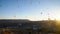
58 17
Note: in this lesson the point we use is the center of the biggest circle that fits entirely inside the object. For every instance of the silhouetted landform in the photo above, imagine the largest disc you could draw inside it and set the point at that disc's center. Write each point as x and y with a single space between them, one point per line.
29 27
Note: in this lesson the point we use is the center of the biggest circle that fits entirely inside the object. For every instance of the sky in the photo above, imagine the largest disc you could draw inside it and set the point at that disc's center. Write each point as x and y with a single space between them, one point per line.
29 9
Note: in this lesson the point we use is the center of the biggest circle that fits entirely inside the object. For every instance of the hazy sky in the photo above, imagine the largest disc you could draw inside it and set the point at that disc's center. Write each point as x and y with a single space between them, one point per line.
29 9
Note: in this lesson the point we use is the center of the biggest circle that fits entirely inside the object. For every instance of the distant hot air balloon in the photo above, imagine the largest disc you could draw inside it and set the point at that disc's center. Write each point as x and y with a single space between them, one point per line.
39 2
0 5
48 16
41 13
30 1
